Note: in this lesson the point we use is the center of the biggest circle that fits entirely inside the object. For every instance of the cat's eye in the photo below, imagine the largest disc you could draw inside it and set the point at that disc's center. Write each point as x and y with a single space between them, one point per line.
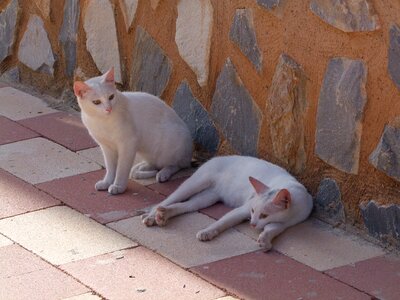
263 216
111 97
96 102
252 210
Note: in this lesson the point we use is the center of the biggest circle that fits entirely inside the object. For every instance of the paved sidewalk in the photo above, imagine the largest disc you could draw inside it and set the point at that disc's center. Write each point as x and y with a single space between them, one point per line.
61 239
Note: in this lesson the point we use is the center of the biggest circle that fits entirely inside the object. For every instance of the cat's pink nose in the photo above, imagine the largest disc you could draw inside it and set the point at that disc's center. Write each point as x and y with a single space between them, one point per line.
253 225
108 109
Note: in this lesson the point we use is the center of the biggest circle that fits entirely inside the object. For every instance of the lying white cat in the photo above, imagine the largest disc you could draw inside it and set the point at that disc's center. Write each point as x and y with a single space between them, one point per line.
262 191
127 123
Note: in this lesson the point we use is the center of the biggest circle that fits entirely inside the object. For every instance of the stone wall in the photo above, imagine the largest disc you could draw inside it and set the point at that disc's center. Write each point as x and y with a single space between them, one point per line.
312 85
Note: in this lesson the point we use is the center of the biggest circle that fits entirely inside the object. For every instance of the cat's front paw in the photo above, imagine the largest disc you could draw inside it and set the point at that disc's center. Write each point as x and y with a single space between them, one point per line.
102 185
116 189
206 235
264 244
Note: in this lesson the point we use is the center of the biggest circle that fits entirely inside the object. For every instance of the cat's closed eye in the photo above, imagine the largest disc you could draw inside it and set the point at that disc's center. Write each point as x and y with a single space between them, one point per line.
252 210
263 216
111 97
96 102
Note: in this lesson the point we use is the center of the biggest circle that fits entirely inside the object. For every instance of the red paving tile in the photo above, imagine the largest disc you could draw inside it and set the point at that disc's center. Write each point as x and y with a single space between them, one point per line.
79 193
62 128
23 275
12 132
167 188
14 261
17 196
216 211
378 276
260 275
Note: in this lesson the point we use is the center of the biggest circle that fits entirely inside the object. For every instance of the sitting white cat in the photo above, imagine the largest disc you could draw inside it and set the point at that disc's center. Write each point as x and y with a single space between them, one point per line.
265 193
126 123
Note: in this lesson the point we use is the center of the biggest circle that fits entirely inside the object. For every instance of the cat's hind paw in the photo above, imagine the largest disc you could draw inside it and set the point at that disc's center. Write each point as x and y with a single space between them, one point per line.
162 177
102 185
206 235
165 173
148 220
161 216
116 189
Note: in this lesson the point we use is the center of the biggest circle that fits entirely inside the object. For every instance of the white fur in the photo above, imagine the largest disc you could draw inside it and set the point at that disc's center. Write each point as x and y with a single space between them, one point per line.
226 179
138 123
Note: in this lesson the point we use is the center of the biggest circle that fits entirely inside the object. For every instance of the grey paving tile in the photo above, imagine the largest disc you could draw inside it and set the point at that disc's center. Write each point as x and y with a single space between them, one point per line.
17 105
5 241
93 154
60 235
96 155
38 160
177 241
318 245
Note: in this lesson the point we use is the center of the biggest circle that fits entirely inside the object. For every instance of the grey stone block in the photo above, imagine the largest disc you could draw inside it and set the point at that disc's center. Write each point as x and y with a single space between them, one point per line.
394 55
286 107
235 111
68 34
35 49
128 8
276 7
101 36
347 15
328 202
386 156
151 68
382 222
11 75
193 35
8 20
269 4
242 33
196 118
340 112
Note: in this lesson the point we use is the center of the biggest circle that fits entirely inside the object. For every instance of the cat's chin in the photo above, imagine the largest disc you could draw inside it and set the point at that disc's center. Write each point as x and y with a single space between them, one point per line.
258 227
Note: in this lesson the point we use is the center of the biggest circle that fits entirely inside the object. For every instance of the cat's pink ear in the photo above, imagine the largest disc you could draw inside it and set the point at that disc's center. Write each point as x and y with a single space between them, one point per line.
80 88
282 199
109 76
260 187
